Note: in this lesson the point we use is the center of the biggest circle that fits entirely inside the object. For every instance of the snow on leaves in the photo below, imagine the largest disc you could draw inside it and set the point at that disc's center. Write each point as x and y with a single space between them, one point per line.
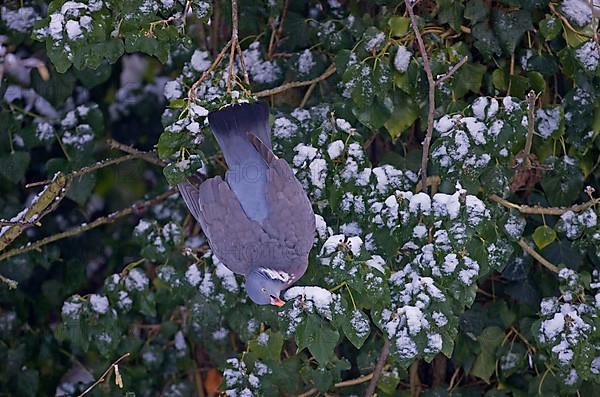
568 329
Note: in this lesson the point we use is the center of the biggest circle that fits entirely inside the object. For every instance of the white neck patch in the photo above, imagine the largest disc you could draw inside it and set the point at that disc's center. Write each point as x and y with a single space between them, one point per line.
276 274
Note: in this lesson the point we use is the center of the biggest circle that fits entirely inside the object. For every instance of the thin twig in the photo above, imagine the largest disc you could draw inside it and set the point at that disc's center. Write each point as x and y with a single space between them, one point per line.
526 209
148 156
84 227
451 72
216 62
242 63
16 223
234 42
46 201
531 97
88 169
543 261
294 84
307 95
10 283
101 379
431 93
308 393
385 351
357 381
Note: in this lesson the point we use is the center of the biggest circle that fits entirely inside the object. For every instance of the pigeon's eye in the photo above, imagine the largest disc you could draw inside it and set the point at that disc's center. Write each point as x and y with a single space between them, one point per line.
263 289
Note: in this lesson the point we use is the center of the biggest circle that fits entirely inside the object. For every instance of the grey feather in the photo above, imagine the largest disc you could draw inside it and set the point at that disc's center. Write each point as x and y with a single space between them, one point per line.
255 246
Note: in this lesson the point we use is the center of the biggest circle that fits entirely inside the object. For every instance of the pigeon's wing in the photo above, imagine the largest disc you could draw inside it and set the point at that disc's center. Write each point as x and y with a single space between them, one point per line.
291 218
237 241
189 193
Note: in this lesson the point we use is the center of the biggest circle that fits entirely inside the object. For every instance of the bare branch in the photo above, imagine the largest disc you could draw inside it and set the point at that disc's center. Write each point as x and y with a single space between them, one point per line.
91 168
385 352
45 202
84 227
294 84
531 97
451 72
114 366
543 261
216 62
148 156
431 93
234 42
10 283
526 209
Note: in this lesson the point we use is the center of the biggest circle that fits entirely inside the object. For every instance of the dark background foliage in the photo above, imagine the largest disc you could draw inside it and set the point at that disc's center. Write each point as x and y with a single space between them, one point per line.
83 82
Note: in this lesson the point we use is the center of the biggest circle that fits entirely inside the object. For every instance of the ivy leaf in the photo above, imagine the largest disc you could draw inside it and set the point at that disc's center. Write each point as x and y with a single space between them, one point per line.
543 236
485 363
468 78
476 11
398 25
550 27
318 336
451 12
485 41
14 165
563 183
510 27
403 116
267 346
357 328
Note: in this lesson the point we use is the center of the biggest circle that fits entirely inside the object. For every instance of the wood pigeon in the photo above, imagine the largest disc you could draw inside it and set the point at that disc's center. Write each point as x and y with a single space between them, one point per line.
258 221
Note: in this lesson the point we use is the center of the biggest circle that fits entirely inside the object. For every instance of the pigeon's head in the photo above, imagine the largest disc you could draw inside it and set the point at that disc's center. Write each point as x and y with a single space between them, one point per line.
264 286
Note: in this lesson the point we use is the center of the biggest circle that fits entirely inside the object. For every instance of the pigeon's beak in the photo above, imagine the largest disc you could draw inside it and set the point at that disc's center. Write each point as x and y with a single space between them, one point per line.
277 301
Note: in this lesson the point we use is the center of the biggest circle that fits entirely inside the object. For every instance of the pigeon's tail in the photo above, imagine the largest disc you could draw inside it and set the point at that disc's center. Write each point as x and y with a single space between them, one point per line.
231 126
247 176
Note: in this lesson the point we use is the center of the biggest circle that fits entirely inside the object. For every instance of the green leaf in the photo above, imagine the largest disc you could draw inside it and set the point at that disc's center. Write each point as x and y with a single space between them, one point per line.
486 41
169 143
451 12
510 27
398 25
468 78
58 57
14 165
485 363
543 236
318 336
267 347
550 27
81 188
57 88
476 11
356 328
403 116
491 338
536 81
173 174
499 79
484 366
